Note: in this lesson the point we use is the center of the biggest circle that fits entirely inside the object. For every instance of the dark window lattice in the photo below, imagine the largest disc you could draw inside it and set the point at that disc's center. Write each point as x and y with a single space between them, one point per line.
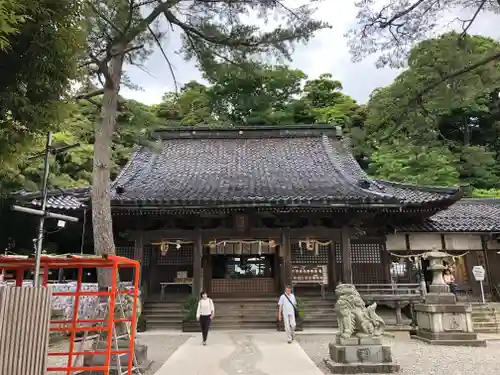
146 260
174 256
304 256
360 253
126 251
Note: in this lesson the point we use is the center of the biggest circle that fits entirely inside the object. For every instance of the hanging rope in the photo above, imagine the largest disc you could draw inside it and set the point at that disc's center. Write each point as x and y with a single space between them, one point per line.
425 254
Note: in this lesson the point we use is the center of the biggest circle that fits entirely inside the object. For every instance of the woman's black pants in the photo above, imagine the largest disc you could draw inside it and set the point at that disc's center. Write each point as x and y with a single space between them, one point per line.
205 325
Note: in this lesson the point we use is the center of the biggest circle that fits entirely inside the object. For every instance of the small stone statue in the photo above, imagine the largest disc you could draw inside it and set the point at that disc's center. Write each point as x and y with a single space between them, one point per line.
353 317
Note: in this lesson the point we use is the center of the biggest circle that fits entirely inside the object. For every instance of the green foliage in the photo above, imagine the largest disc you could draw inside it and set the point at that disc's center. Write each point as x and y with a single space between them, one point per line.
300 305
11 18
192 106
486 193
259 94
37 71
460 115
423 165
74 168
254 93
189 309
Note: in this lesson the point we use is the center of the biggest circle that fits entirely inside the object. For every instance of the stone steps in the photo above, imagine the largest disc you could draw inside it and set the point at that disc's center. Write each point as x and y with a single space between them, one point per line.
163 314
486 318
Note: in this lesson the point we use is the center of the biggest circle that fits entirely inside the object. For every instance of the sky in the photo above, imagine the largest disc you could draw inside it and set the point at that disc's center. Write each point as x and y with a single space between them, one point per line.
327 52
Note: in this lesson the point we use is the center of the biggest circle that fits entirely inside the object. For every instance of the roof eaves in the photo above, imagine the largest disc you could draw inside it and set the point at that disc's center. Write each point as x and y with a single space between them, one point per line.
345 179
425 188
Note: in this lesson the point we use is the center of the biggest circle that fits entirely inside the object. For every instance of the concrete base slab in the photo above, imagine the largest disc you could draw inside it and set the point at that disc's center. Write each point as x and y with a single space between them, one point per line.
361 368
472 343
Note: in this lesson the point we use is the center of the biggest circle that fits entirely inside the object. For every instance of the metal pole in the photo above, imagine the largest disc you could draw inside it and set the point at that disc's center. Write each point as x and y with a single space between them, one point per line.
482 292
39 241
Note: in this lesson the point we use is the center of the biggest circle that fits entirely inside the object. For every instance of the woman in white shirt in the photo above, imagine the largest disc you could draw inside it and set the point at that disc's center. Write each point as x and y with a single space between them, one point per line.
205 314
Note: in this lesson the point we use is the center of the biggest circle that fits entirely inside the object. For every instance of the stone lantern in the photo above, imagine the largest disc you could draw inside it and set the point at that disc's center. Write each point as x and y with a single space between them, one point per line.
439 291
441 319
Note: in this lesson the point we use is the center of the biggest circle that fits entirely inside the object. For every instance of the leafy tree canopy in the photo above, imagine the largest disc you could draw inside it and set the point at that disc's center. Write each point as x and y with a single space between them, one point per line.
460 115
37 70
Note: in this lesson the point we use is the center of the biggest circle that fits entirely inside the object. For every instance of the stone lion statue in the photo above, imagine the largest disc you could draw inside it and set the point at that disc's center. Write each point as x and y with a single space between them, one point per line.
353 316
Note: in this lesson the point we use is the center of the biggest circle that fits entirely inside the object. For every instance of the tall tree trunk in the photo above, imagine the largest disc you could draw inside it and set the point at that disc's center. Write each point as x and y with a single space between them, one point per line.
101 179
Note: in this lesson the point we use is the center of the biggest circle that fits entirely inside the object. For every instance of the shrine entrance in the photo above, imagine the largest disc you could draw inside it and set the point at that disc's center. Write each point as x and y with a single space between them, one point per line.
241 268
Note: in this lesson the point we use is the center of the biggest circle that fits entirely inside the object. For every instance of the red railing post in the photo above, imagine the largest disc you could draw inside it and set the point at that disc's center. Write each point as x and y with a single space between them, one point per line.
74 320
133 323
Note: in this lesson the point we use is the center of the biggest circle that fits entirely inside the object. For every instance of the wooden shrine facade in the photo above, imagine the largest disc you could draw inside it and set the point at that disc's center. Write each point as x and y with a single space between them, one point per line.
309 256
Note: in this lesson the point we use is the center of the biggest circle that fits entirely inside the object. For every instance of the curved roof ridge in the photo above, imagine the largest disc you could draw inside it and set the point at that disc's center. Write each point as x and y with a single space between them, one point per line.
428 188
329 149
345 143
478 201
124 170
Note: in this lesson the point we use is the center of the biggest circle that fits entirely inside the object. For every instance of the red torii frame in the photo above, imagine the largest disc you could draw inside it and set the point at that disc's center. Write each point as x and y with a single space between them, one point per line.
21 264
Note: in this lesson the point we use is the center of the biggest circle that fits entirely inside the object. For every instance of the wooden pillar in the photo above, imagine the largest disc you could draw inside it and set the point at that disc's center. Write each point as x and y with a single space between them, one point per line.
287 256
386 260
153 284
139 255
277 273
332 263
197 254
484 245
207 271
346 256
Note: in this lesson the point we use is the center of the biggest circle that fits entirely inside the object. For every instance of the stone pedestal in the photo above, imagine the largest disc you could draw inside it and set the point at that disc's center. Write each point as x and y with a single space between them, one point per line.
446 324
358 355
441 320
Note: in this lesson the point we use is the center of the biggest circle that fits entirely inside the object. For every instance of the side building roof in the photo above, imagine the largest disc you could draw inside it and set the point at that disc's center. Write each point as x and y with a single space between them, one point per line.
301 166
67 199
467 215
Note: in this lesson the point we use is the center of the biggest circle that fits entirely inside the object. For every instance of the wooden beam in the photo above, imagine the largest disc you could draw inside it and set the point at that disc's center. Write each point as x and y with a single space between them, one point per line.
197 254
228 233
346 256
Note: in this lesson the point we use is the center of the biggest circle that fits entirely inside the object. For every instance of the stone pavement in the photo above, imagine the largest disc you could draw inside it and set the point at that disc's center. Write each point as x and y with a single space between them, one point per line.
240 353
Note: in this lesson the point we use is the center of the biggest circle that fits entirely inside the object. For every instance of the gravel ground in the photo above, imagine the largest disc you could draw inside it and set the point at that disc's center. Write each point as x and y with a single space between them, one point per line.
160 347
417 358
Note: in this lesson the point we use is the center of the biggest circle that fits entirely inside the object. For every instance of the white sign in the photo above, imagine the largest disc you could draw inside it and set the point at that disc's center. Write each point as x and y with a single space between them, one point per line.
478 272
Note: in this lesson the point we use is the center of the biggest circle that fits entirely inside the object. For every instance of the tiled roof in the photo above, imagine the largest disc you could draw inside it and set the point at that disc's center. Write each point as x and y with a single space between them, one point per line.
467 215
307 166
69 199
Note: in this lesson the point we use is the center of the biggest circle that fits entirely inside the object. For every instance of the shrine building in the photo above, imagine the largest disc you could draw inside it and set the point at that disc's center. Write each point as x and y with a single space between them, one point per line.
246 211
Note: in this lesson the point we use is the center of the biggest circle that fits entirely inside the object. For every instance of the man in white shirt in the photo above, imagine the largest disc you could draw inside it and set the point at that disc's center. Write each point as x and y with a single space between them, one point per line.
287 305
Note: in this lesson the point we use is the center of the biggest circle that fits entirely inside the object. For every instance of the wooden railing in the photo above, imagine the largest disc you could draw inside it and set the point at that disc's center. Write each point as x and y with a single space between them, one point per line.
396 296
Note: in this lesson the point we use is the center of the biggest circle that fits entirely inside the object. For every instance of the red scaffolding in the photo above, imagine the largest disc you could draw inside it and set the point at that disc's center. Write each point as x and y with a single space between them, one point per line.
21 264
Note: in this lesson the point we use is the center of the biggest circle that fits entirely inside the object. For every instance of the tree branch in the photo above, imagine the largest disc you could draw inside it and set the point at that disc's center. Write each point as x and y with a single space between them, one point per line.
400 14
471 21
145 22
466 69
105 19
102 65
89 95
193 31
157 41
